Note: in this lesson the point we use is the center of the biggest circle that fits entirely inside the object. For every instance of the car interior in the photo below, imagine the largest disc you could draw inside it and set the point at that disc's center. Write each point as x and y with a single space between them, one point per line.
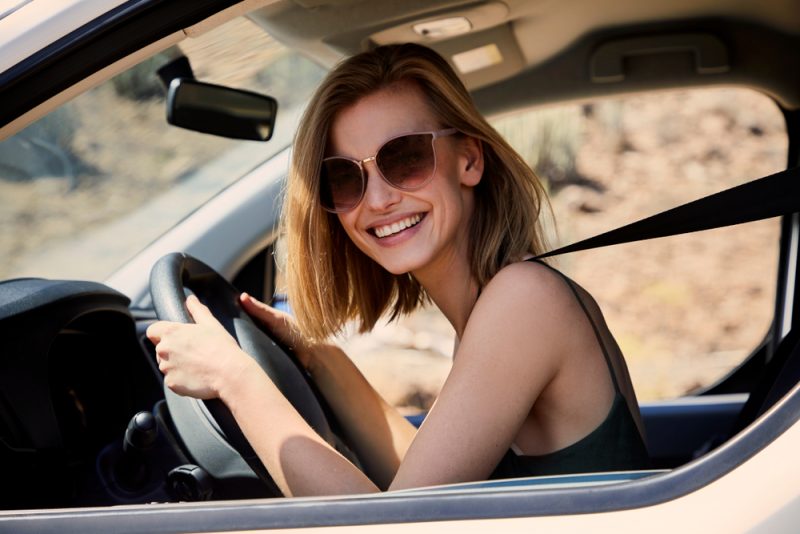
84 417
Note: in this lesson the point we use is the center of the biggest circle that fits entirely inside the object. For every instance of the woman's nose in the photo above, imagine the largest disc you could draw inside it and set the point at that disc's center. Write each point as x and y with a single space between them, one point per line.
379 195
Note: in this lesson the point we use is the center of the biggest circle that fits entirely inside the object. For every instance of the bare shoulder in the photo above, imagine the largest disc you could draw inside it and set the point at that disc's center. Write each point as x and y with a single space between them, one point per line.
513 348
527 308
528 285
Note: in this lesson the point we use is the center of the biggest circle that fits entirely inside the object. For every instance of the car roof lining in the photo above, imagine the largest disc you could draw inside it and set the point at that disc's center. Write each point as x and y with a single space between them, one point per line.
326 32
541 28
566 76
534 36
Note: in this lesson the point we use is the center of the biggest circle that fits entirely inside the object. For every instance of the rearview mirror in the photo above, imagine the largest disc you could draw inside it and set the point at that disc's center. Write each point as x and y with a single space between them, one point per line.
219 110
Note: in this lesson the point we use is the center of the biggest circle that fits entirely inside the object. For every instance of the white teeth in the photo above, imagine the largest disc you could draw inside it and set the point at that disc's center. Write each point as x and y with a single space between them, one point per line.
390 229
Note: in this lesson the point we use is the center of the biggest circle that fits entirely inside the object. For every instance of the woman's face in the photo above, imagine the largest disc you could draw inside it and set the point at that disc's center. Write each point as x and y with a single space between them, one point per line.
437 214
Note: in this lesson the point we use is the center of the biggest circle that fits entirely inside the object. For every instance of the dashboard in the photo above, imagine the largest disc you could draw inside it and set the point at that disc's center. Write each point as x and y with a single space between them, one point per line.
73 372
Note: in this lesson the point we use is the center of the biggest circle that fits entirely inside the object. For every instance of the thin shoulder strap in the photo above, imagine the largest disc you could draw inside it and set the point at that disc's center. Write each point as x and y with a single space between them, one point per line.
596 330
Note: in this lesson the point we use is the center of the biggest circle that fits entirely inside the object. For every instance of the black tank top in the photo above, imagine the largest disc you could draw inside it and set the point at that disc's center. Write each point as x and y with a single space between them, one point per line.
615 445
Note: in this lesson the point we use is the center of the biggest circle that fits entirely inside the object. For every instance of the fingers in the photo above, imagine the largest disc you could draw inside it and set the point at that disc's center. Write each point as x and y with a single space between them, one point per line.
256 308
263 311
251 302
199 311
162 362
160 329
156 333
279 323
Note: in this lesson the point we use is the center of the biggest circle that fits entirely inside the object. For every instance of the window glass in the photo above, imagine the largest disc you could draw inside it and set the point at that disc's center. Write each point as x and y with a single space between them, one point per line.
91 184
686 309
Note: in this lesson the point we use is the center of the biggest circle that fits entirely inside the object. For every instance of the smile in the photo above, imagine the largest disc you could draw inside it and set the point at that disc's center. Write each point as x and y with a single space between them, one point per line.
397 227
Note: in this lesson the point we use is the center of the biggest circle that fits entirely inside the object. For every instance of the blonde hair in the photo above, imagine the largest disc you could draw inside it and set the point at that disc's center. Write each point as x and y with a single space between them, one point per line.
330 281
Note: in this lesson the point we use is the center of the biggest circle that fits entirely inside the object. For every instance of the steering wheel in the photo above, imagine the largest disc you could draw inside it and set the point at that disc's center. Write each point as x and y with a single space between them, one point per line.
207 428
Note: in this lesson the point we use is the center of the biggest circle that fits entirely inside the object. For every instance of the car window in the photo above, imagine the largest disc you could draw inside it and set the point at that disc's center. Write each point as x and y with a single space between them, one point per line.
686 309
88 186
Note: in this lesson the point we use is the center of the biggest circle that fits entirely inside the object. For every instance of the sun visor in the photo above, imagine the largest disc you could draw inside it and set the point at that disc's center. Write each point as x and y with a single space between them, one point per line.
478 42
483 58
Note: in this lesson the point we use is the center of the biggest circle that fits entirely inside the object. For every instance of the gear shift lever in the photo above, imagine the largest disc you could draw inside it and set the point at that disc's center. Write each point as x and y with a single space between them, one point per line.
132 471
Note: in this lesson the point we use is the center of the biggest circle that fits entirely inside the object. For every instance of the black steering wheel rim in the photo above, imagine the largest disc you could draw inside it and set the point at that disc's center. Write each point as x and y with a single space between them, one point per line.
207 428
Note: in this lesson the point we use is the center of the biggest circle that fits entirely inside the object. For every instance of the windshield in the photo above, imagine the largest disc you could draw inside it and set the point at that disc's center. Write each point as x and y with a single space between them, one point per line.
87 187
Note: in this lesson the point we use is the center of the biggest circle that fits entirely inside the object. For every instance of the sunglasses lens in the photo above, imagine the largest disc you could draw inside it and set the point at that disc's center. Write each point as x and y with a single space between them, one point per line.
341 185
407 162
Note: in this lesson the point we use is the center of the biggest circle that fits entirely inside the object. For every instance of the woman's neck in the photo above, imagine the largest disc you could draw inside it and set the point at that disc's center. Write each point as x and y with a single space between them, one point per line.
453 289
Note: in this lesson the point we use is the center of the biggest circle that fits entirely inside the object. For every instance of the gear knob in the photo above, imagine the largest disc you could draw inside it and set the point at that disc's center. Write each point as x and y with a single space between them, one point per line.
141 433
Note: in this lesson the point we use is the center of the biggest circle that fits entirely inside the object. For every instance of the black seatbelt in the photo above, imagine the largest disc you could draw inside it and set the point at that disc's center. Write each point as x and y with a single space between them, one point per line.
771 196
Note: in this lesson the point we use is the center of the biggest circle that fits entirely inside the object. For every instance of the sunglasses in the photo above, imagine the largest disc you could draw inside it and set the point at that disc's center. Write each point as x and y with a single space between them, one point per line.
406 162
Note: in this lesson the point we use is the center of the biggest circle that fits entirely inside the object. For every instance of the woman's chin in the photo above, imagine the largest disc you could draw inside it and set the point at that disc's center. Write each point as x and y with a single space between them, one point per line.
398 266
396 270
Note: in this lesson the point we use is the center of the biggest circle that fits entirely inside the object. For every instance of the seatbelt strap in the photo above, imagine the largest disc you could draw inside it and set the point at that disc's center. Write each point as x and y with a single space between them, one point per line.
771 196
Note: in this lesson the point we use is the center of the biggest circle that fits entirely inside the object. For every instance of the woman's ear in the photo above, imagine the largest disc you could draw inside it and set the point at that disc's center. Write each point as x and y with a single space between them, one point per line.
471 161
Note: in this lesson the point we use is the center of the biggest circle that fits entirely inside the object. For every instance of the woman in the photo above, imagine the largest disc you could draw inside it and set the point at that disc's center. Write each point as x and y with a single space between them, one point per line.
400 191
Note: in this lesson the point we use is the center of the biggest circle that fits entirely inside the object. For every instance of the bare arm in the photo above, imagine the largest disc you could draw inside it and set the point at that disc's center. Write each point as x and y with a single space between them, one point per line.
512 348
297 458
377 431
509 352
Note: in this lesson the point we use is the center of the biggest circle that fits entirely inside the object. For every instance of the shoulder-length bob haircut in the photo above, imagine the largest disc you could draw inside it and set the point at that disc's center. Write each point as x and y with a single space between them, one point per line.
330 281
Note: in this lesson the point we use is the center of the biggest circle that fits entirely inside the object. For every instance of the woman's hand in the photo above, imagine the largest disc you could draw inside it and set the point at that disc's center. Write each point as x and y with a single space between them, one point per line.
281 325
198 360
